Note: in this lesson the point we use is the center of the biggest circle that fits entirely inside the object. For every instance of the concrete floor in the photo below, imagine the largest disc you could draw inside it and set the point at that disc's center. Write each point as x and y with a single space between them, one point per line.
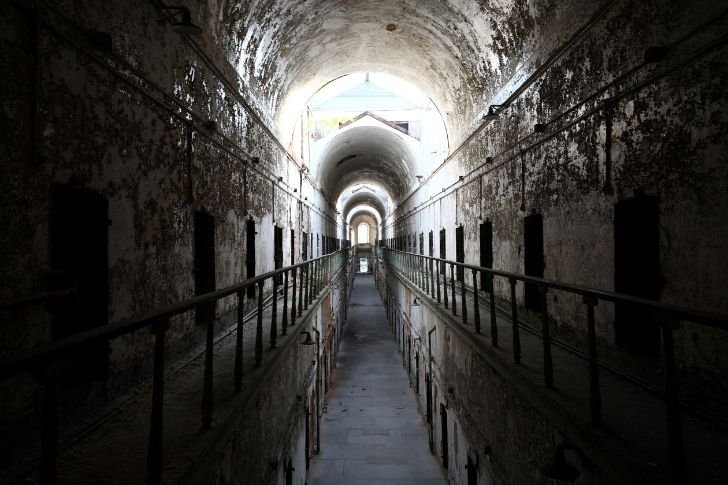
371 431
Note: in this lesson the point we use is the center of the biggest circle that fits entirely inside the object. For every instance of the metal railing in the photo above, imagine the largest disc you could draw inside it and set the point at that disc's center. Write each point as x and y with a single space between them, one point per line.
430 275
305 281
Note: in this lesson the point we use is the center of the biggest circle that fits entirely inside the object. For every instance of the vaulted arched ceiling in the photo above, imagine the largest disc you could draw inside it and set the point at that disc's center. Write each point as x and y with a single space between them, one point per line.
365 197
364 154
285 50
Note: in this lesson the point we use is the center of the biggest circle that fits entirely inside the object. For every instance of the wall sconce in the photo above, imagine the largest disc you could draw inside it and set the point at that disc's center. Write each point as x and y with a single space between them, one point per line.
255 160
488 160
295 190
655 53
539 127
461 178
280 179
416 302
493 111
308 340
558 468
184 25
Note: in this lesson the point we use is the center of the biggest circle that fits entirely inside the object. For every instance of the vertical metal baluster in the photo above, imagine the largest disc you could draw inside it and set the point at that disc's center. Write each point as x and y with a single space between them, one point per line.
207 391
425 267
49 431
476 305
432 278
595 396
284 323
514 318
274 314
155 451
674 427
300 289
307 279
239 342
548 366
452 287
444 287
259 328
464 299
493 318
294 272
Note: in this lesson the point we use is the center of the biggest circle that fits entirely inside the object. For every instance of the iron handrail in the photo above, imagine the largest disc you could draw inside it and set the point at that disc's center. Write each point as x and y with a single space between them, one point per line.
425 272
309 274
715 320
42 355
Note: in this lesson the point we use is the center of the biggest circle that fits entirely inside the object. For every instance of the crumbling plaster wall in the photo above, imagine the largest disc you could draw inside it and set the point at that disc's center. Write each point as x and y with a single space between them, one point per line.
667 138
159 125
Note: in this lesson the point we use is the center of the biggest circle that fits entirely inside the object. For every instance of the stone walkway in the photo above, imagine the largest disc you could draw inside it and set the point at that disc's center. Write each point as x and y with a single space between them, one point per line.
372 432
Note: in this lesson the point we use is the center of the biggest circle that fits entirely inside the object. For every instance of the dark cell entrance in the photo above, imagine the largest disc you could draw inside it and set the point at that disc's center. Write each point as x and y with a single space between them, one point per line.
428 407
79 241
431 243
486 254
637 272
443 252
533 257
460 250
204 254
278 251
293 247
472 472
443 433
250 254
304 246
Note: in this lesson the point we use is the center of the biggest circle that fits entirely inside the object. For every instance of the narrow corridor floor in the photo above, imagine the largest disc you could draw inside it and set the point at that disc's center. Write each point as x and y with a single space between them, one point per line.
371 431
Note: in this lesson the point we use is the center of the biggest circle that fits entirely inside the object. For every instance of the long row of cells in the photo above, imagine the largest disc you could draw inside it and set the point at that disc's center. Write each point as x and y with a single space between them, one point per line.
78 246
636 264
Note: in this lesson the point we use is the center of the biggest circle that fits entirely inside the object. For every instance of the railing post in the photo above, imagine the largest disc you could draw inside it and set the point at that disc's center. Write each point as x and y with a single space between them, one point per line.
301 274
514 317
548 366
426 274
595 397
49 432
259 328
284 323
207 391
274 314
432 277
674 426
294 272
307 279
476 306
239 343
444 288
452 287
464 299
155 451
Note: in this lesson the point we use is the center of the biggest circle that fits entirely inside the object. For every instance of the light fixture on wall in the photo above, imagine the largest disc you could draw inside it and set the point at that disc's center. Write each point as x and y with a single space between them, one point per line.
539 127
419 178
494 111
558 468
308 340
655 53
184 25
416 302
488 160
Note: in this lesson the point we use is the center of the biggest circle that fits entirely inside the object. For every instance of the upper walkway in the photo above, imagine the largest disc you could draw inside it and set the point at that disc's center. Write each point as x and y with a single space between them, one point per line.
372 432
